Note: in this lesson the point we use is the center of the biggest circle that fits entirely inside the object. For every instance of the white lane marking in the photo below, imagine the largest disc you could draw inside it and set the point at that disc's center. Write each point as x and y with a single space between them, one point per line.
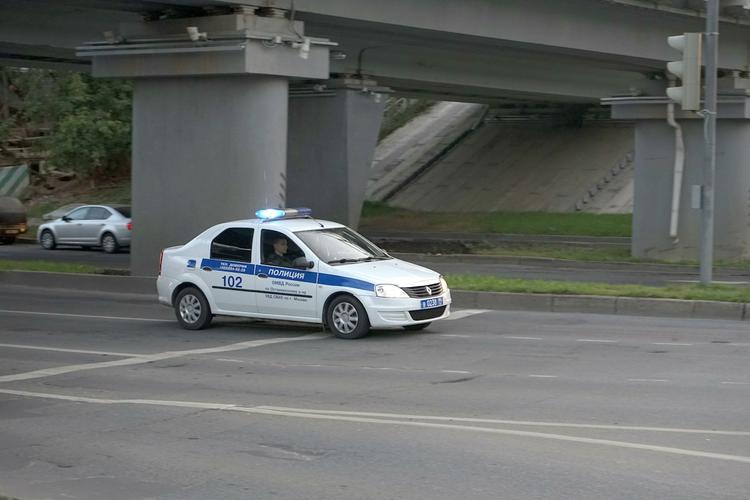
647 380
462 372
543 376
523 338
598 341
736 383
368 418
229 360
456 336
669 343
465 313
84 316
512 422
148 358
80 351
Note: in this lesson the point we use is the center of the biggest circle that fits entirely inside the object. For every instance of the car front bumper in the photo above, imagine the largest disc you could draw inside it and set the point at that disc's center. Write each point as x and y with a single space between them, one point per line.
394 313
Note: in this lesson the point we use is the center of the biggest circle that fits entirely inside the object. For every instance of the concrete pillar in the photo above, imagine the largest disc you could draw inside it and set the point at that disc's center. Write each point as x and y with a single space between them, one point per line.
654 165
210 118
205 150
332 137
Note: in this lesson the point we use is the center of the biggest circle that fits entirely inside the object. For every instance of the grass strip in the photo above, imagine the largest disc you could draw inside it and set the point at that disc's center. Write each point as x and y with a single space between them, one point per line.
48 266
379 216
722 293
578 253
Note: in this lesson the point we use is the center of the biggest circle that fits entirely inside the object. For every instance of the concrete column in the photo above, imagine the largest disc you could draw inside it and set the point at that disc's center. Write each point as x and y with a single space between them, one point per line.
654 165
205 150
332 139
210 118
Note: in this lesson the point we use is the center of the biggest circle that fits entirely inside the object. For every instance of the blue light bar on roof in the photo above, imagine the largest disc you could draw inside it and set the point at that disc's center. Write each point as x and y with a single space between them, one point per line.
278 213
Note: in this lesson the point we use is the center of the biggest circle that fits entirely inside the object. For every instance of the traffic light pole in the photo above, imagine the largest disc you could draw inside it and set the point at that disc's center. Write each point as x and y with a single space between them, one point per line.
709 175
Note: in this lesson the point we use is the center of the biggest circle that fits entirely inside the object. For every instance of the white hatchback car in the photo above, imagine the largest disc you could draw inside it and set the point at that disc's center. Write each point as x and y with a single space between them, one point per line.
286 265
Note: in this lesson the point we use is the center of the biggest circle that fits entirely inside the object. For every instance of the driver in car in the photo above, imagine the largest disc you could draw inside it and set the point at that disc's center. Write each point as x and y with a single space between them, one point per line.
278 256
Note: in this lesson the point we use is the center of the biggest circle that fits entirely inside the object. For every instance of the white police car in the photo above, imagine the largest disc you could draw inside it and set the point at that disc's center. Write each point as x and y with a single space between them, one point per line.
287 265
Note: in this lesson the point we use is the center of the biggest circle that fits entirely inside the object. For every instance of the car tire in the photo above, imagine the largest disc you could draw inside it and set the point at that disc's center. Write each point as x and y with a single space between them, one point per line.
417 327
47 240
347 318
192 309
109 243
8 240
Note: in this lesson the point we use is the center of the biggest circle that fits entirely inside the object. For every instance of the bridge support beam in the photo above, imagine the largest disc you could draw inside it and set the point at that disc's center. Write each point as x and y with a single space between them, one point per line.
333 132
654 165
210 118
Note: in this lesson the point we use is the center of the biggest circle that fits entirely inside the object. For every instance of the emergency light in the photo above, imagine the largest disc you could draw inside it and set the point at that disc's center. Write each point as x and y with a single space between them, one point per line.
278 213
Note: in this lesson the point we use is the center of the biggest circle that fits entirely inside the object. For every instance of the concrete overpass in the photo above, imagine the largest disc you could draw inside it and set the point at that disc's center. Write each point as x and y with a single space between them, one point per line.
215 135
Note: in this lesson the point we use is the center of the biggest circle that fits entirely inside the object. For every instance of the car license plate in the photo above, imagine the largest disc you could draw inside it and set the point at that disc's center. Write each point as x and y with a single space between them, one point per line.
430 303
11 231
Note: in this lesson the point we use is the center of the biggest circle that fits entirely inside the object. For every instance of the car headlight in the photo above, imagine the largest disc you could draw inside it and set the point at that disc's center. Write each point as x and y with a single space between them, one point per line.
390 292
444 284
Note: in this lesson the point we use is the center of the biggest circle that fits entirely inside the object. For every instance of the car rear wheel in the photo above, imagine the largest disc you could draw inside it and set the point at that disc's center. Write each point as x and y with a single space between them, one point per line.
417 327
7 240
192 309
47 240
347 318
109 243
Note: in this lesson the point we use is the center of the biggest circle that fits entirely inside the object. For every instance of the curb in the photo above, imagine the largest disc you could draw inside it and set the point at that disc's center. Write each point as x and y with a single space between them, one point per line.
591 304
597 304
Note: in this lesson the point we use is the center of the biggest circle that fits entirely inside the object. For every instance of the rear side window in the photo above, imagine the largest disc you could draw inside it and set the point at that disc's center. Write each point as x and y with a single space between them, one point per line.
98 213
235 243
124 211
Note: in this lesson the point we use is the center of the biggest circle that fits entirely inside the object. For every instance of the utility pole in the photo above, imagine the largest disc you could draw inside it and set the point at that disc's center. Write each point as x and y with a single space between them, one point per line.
709 116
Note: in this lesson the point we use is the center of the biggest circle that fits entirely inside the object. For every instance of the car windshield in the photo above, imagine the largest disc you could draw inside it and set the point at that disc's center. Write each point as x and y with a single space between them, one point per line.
124 211
340 245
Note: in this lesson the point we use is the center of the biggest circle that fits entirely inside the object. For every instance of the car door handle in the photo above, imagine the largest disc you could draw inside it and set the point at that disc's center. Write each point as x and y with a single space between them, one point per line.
262 275
206 269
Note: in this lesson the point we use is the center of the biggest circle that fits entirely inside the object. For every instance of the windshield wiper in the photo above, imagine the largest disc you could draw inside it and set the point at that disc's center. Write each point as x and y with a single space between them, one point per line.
351 261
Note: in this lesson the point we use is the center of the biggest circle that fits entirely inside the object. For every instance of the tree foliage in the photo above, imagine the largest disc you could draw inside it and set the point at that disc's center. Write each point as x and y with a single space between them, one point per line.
88 120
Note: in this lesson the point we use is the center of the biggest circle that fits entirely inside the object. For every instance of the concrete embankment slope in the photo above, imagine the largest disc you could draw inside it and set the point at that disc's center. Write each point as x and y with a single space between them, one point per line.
401 155
530 166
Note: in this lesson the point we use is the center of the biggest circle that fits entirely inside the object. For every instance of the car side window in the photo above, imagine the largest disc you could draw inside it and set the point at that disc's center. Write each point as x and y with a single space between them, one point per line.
278 249
79 214
235 243
98 213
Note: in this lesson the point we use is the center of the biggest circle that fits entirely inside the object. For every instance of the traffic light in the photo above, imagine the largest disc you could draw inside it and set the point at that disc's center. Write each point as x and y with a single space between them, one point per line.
688 70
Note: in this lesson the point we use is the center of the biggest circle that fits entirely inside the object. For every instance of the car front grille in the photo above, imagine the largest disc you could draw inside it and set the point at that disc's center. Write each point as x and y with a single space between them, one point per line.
424 291
421 314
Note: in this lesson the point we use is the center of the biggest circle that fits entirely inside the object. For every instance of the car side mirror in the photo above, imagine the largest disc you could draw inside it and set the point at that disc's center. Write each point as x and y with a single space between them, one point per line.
65 218
303 263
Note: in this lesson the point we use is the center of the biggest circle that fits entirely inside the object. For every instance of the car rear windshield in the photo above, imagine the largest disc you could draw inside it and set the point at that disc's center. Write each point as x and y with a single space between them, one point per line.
340 245
124 211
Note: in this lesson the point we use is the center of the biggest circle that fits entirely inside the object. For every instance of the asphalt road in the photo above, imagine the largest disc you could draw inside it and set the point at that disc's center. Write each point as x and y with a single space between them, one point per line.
522 268
103 396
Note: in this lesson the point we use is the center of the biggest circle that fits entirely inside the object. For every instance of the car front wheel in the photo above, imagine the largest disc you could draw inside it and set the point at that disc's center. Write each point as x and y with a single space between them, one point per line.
347 318
192 309
47 240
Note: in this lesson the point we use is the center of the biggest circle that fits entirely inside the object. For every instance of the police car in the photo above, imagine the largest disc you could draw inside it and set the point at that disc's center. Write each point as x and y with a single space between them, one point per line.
285 265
